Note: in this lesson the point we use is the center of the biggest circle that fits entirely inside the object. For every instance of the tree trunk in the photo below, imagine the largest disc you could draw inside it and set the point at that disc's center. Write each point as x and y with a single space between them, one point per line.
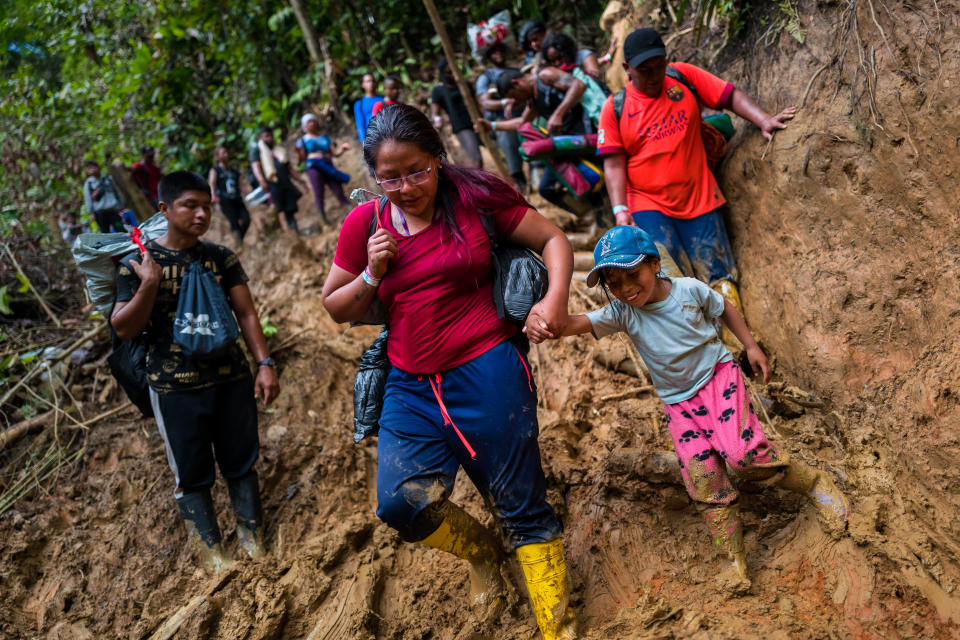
319 53
131 193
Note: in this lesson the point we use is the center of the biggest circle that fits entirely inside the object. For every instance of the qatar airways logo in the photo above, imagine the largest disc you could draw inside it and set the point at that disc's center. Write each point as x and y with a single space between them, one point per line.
666 126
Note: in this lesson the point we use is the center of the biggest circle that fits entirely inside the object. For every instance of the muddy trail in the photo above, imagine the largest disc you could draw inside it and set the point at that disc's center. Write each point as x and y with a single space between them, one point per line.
846 234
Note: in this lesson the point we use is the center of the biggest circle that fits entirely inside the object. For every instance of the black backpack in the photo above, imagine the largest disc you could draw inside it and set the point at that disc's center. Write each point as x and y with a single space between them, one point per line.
128 364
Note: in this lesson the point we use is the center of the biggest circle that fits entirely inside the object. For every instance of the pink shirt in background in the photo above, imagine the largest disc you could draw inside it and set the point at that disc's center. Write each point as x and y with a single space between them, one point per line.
439 292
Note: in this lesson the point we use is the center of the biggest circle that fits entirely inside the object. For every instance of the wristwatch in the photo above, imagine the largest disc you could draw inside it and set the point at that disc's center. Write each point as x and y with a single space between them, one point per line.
267 362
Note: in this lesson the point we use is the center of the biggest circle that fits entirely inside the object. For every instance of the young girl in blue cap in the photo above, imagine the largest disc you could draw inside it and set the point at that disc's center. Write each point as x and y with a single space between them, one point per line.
708 410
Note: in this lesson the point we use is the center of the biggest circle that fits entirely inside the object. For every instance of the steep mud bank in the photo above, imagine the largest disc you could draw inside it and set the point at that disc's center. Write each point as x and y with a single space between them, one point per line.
846 236
848 239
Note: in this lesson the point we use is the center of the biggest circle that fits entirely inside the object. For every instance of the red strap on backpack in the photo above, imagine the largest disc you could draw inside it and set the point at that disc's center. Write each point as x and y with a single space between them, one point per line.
136 235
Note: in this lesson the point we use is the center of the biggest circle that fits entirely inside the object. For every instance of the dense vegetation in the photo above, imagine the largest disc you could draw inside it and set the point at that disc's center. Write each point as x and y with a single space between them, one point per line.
98 79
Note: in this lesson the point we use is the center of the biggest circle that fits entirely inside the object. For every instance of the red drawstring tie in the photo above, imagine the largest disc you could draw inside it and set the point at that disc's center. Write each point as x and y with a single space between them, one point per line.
447 420
525 368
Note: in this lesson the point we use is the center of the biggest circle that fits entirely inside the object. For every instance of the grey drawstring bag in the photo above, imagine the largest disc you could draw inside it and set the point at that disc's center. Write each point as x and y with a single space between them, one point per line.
204 325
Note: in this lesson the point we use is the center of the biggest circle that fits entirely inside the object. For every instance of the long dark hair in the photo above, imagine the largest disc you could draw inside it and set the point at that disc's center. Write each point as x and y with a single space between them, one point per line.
565 46
473 189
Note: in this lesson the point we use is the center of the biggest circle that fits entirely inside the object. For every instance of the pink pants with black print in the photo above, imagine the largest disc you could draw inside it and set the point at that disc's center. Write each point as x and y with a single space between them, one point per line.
718 427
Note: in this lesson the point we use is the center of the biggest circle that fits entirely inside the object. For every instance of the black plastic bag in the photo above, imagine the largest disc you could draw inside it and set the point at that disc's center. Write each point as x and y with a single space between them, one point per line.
368 388
519 277
204 325
519 281
128 364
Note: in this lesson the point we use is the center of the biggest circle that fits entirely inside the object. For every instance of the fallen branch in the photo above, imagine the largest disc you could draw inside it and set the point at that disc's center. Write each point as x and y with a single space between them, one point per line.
17 430
20 429
174 622
23 278
40 366
169 628
624 395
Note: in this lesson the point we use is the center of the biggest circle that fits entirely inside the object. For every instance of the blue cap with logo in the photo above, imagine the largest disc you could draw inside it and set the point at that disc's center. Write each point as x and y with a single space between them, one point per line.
623 247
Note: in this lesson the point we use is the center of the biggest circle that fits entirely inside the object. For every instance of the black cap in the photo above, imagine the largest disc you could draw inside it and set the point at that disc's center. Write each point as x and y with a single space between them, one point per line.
642 45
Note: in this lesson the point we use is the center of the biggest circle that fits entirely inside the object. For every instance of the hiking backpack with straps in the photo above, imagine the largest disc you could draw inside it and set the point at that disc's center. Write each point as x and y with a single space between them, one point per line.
715 129
97 256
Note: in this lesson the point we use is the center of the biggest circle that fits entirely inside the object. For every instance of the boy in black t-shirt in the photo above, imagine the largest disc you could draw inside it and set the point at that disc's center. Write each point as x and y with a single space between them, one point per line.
225 184
199 402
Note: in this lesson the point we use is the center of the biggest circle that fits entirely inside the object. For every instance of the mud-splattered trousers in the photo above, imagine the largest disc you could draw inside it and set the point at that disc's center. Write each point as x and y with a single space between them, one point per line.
699 246
482 416
718 427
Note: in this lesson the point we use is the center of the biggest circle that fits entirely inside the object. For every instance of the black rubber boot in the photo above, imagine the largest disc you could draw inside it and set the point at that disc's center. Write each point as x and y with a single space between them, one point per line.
200 518
245 496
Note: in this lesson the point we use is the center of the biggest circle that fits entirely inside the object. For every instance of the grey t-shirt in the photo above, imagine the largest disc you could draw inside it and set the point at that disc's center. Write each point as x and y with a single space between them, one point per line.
487 84
675 337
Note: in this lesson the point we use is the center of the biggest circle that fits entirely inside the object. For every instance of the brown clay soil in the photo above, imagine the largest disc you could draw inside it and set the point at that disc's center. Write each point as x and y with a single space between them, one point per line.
846 233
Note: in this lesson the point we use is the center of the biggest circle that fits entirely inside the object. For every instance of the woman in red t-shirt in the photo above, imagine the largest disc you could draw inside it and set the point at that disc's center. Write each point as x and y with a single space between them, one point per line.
460 391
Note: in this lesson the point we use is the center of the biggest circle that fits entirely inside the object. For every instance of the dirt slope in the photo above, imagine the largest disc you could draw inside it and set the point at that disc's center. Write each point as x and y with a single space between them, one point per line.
845 231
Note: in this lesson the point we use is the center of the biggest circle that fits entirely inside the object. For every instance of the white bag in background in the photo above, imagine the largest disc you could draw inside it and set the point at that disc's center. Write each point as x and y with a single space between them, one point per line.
482 36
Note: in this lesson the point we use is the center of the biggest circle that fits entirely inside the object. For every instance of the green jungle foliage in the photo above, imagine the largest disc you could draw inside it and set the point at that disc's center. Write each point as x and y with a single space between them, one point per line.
96 79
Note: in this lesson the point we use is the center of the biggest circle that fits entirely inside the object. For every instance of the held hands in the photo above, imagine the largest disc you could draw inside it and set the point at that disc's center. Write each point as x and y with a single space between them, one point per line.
381 247
758 362
483 122
772 124
546 321
266 385
147 270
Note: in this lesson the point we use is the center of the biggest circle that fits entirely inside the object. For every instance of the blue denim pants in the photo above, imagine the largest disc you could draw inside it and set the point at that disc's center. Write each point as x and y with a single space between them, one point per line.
482 416
699 246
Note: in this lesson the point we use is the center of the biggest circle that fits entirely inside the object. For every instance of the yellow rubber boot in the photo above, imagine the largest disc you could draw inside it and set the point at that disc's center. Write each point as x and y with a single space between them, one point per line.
545 571
460 534
727 532
729 291
819 488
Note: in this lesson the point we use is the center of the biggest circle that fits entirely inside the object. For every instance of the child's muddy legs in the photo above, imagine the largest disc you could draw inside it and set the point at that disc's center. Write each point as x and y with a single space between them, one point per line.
726 529
832 506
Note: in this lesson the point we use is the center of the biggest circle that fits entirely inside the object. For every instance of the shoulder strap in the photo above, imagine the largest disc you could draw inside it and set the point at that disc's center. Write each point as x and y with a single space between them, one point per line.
377 208
677 75
488 226
619 98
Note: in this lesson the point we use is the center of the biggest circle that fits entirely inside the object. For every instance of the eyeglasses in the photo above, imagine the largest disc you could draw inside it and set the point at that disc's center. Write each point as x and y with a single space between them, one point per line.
395 184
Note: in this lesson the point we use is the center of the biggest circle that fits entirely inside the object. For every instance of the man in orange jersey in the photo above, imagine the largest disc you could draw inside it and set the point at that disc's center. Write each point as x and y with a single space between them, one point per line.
655 162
